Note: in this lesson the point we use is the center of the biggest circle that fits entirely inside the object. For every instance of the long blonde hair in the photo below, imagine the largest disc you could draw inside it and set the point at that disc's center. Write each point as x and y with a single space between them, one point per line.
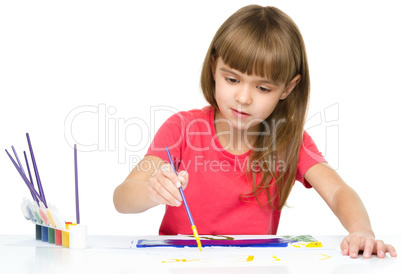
264 41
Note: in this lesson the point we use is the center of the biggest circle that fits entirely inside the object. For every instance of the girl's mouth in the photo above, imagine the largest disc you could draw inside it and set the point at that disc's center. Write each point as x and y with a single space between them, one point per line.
239 114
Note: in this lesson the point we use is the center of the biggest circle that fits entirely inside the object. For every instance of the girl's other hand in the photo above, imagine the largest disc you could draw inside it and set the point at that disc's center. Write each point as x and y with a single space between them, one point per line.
357 241
163 187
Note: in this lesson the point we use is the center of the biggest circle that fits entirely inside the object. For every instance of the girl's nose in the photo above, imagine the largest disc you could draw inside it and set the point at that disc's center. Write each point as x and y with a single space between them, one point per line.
243 96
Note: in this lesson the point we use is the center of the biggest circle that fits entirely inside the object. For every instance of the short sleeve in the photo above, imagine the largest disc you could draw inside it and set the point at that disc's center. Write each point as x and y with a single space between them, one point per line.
308 157
171 135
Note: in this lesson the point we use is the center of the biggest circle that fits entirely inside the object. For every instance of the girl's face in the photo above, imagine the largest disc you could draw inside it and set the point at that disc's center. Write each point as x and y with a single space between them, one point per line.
245 101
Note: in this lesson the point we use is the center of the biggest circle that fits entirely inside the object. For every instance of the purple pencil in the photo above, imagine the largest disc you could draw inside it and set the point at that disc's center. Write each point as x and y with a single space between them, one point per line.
77 203
42 194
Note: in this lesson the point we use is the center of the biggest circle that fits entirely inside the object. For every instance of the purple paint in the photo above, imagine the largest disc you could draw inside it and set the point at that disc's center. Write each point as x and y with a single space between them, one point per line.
180 243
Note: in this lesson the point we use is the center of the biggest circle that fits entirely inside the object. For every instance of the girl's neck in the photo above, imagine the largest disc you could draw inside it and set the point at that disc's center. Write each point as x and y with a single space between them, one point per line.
233 140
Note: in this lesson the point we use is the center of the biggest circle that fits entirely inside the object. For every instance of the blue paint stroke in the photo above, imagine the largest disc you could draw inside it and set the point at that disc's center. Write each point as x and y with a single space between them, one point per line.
180 243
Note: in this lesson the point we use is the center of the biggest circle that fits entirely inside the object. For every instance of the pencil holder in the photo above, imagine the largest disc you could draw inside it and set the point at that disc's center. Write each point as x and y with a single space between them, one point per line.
78 236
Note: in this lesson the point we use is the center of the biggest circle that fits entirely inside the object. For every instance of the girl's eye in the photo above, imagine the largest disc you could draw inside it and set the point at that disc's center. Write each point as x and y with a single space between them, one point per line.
263 89
232 80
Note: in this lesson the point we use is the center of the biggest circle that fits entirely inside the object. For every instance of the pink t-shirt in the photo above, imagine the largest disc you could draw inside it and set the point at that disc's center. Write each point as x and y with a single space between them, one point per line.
217 179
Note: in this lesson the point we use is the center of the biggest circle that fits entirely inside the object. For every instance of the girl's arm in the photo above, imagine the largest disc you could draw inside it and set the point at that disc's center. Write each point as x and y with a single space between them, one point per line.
348 207
150 183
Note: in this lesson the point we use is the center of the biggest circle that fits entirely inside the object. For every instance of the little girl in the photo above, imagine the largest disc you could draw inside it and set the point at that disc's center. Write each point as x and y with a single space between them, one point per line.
240 156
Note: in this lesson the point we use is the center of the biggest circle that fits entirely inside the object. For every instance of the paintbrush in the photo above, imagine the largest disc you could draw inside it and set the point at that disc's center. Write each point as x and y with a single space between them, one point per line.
197 238
77 204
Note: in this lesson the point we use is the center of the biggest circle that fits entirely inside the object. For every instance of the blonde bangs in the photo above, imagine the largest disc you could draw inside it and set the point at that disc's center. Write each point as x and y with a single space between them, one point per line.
261 51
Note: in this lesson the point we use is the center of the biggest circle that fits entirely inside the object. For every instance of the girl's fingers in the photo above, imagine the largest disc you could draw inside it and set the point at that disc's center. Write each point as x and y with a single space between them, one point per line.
368 248
168 171
345 247
380 249
354 246
165 186
183 177
391 250
156 197
165 191
353 243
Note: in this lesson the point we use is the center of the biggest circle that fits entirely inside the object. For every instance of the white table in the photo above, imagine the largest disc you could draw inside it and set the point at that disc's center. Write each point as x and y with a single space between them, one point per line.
112 254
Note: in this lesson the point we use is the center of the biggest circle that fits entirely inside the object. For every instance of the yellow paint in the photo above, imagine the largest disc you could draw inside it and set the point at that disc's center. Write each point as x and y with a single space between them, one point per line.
197 238
216 237
65 238
50 218
325 257
180 260
275 258
296 246
250 258
314 244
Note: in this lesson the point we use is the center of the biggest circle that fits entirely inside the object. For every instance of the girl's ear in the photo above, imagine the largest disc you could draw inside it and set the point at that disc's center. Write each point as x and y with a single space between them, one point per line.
289 88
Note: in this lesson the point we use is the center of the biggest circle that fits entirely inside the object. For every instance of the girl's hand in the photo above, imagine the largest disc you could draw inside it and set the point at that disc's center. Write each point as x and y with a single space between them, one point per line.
365 242
163 187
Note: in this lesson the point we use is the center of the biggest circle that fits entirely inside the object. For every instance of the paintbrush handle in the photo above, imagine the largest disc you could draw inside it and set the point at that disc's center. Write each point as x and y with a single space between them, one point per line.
186 206
197 238
30 178
42 194
24 177
77 200
181 191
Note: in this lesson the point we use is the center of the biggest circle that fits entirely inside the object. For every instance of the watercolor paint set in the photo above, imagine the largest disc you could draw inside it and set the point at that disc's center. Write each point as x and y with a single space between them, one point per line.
50 227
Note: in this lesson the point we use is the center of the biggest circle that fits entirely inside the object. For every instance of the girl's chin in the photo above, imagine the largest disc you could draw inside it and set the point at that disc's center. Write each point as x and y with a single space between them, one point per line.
244 126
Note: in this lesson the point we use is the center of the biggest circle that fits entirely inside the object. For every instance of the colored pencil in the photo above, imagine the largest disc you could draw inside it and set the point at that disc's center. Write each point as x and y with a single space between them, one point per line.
193 227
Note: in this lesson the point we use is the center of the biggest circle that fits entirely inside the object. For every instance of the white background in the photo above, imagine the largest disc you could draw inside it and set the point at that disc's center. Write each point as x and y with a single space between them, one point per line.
100 71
